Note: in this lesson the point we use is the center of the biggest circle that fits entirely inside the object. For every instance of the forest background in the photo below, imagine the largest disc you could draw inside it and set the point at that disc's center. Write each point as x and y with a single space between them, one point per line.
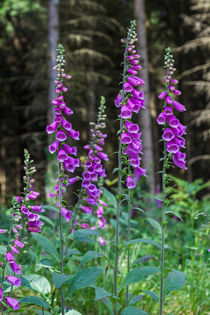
90 31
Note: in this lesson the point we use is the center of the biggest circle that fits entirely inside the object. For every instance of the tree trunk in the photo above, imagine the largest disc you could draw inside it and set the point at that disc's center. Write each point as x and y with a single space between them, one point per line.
145 118
53 43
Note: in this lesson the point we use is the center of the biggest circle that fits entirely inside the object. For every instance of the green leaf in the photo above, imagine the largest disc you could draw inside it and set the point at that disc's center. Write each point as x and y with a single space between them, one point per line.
42 312
71 252
155 224
81 235
142 240
59 279
134 299
138 209
46 220
143 259
35 300
50 208
25 282
46 244
100 293
3 250
46 263
84 278
174 213
39 283
175 280
110 197
72 312
152 294
138 274
131 310
106 301
89 256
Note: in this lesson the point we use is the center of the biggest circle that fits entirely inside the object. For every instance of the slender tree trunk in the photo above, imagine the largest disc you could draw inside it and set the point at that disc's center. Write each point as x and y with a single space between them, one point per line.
145 118
53 43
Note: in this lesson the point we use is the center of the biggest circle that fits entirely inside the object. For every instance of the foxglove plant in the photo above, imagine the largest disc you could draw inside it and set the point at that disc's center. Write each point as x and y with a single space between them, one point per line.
173 132
93 170
23 214
130 100
66 154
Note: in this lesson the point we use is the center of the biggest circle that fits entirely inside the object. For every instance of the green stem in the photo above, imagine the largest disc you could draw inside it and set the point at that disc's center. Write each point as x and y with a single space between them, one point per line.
67 241
61 236
118 218
163 231
128 250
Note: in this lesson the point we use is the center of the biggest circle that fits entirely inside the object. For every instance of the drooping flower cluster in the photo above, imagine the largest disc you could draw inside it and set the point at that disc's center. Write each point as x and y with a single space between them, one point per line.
131 100
93 168
60 126
173 130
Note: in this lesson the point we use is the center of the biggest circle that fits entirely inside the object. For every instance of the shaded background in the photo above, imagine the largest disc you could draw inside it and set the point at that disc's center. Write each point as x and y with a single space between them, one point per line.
90 31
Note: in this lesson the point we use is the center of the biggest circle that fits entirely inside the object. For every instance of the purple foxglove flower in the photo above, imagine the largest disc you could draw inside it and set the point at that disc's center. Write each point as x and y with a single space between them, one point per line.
138 94
37 209
130 57
68 111
101 241
19 243
24 209
118 100
125 112
179 106
134 62
130 183
32 195
173 121
60 135
161 119
180 142
168 100
12 303
135 81
127 87
136 67
73 134
72 180
14 281
70 150
125 138
86 209
177 92
134 162
138 171
19 199
171 88
66 214
179 162
174 81
14 250
1 294
52 127
15 268
172 147
103 156
31 216
54 147
64 89
131 127
62 156
162 95
2 231
34 229
132 71
168 110
168 134
84 226
91 201
10 257
66 125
